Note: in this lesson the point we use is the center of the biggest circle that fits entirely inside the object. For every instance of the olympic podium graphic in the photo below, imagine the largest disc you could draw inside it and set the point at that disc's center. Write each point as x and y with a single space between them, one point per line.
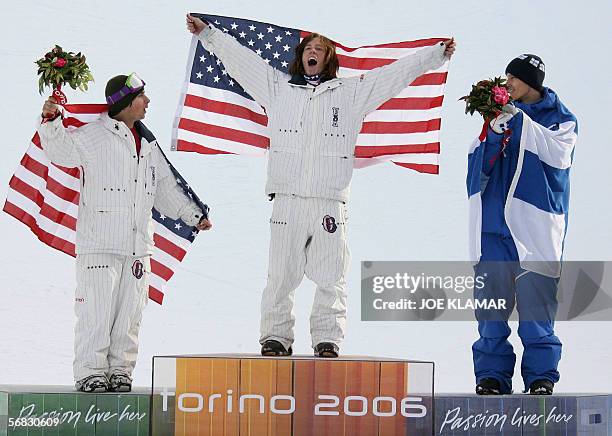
224 395
227 395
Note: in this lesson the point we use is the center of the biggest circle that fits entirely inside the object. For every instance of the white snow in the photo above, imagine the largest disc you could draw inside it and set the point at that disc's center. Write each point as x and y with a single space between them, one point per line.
213 302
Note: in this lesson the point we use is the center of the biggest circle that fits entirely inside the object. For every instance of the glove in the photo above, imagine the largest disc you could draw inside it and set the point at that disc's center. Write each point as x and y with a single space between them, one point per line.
500 123
510 109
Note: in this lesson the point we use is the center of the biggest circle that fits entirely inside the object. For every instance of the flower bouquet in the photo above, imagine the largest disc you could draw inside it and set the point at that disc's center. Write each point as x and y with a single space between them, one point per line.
58 68
487 98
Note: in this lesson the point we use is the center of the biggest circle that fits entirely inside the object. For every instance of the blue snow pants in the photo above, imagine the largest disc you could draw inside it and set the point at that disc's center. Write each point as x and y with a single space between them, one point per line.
535 297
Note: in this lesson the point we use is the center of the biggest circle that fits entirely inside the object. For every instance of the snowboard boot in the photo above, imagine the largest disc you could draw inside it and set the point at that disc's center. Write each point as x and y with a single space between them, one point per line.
275 348
120 382
92 383
541 387
488 386
326 349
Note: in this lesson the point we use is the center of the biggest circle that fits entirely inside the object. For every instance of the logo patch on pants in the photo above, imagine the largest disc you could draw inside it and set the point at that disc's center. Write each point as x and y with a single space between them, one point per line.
329 224
138 269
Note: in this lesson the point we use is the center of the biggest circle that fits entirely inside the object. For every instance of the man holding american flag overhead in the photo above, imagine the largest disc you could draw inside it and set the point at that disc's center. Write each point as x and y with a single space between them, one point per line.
314 118
124 174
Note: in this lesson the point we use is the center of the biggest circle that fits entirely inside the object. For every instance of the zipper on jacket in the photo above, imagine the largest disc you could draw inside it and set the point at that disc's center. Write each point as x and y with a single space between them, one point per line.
134 228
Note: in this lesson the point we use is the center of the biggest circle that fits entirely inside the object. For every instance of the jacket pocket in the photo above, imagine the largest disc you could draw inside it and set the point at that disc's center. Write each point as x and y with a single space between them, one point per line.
336 170
111 227
283 165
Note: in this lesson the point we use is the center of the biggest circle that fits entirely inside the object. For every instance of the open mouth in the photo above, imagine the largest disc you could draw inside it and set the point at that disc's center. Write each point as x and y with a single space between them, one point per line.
312 61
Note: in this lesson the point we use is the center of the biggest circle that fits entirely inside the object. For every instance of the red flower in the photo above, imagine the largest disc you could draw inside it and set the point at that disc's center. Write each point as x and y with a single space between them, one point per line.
500 95
60 62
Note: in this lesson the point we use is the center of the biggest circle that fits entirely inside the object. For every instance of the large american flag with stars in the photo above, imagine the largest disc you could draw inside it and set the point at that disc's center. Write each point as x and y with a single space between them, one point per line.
216 116
45 197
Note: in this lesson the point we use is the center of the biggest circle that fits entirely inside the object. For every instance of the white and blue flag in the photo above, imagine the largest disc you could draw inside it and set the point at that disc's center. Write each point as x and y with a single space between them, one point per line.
537 202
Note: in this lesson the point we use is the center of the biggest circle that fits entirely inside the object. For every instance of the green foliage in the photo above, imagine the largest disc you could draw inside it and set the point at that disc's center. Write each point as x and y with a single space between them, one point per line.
480 99
58 68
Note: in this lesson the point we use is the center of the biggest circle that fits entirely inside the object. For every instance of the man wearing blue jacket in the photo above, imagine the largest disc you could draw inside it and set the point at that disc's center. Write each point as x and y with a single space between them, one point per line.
518 187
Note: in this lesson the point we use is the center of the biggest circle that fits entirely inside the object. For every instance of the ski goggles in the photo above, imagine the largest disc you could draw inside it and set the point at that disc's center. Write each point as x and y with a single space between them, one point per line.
133 85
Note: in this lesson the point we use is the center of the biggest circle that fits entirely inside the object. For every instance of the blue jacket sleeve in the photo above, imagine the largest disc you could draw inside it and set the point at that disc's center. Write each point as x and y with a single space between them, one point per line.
492 148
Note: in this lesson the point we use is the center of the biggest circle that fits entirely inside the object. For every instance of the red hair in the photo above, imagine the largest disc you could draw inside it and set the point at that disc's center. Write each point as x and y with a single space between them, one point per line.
330 61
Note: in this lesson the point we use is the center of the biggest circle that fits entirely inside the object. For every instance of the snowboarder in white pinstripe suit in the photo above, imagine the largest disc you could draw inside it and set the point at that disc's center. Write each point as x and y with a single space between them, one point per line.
313 121
124 175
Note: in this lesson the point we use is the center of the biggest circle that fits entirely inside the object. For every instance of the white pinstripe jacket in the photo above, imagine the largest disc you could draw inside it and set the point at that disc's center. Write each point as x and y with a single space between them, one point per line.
313 130
118 188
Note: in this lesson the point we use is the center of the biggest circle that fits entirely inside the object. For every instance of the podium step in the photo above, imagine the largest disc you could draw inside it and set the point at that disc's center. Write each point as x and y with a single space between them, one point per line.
229 395
523 414
60 410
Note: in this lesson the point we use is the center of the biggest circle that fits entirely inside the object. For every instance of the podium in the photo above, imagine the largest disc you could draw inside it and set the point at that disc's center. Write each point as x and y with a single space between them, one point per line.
60 410
250 395
524 415
227 395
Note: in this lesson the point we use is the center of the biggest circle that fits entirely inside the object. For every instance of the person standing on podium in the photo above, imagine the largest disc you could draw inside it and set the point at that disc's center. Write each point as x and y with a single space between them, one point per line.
314 118
518 184
124 175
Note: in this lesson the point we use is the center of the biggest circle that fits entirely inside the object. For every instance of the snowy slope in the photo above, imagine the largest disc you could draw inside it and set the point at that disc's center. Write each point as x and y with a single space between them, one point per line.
395 214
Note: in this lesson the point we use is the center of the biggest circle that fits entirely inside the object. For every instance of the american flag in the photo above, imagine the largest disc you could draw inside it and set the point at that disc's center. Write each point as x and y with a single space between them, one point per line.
216 116
45 197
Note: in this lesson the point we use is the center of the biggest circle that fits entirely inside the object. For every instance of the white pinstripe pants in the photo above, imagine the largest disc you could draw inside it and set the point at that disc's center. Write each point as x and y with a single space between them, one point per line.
112 291
308 236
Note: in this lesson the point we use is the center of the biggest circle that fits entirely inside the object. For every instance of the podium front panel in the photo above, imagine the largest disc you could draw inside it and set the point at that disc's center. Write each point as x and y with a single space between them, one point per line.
229 395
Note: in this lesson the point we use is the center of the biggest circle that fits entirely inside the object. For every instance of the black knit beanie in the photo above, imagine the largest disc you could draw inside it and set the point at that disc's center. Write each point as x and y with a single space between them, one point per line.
528 68
113 85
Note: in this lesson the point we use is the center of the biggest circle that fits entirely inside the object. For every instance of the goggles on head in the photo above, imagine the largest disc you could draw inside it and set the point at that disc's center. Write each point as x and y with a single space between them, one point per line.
133 85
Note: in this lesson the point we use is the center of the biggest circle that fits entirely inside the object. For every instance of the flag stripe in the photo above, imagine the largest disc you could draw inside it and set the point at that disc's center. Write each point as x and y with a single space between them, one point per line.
412 103
57 188
220 144
169 247
397 139
430 79
45 209
46 237
419 43
156 295
224 133
222 95
167 261
73 122
164 232
380 127
86 109
40 186
421 91
228 121
378 53
403 116
195 147
230 109
421 168
31 208
365 152
161 270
